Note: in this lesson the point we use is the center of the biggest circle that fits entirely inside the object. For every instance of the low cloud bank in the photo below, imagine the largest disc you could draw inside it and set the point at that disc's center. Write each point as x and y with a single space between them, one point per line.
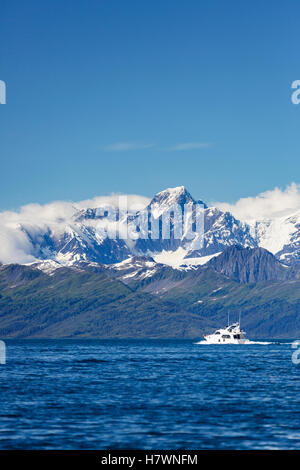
267 205
19 228
35 219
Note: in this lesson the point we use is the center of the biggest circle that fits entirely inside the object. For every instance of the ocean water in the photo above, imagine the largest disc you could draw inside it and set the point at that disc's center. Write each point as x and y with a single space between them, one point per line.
148 395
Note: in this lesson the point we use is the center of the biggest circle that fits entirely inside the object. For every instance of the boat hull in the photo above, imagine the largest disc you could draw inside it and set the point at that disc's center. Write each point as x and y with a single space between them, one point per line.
232 334
225 341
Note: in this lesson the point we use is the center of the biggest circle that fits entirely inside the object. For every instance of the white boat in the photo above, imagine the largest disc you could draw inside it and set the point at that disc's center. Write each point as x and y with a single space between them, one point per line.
232 334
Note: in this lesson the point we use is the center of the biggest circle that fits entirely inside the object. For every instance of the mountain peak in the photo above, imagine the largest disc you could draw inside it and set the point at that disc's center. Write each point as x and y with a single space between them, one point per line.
178 195
177 191
248 265
164 200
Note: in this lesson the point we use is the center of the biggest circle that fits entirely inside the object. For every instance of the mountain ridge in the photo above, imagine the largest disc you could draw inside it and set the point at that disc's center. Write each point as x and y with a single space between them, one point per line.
249 265
93 301
84 283
89 235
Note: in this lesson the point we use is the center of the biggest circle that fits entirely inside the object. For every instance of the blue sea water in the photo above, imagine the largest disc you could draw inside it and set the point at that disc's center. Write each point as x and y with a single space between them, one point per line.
126 394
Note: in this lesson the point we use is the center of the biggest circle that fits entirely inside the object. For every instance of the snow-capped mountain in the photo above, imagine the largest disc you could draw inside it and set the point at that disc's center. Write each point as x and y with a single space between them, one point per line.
99 234
221 230
77 242
110 235
280 236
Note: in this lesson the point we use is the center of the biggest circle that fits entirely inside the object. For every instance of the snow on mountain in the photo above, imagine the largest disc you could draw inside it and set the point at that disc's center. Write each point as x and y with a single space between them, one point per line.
221 230
98 234
81 241
48 266
91 234
280 236
135 268
164 200
164 228
180 259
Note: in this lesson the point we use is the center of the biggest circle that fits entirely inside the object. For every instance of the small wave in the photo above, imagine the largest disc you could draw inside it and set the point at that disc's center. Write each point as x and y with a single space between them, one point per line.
260 342
92 359
237 344
278 343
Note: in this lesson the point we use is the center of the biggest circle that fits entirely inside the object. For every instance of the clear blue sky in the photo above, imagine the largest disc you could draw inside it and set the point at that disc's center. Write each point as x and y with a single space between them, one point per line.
196 92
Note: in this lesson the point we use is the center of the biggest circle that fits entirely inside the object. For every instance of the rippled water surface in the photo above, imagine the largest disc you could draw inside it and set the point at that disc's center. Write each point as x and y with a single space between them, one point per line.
148 394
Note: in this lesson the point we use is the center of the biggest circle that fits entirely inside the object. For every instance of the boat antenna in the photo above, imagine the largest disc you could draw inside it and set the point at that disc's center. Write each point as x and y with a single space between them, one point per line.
240 319
227 318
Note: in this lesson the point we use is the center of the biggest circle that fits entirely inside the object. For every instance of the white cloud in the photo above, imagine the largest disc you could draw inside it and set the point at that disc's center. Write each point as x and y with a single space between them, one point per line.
15 245
114 200
269 204
125 146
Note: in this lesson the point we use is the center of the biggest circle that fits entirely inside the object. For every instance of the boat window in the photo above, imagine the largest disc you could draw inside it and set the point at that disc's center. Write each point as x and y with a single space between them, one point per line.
225 336
217 333
237 336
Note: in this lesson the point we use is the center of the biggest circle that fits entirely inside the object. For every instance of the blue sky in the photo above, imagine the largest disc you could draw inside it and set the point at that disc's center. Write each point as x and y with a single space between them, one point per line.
136 96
